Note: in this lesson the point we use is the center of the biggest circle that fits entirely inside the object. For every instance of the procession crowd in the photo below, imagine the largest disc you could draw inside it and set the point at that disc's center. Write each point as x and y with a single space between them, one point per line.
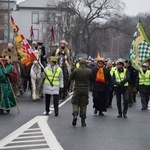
102 77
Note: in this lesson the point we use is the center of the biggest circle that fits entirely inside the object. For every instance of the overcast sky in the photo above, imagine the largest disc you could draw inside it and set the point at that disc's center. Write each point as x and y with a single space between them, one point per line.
133 7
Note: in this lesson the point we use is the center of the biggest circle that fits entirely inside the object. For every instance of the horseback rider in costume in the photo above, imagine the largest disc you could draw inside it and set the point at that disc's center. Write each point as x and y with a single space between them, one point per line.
63 54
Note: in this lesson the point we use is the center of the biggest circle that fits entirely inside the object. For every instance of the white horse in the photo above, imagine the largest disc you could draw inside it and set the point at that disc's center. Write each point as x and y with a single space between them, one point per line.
37 78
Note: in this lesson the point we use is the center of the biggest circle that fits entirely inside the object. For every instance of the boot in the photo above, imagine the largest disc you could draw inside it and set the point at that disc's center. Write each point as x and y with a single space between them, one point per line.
56 112
74 122
83 124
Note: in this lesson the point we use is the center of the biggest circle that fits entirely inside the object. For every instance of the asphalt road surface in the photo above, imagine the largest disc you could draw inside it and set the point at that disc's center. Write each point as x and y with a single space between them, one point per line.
31 129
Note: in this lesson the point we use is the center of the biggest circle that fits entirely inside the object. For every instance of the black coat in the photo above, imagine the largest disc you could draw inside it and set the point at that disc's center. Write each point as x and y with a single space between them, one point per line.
99 86
133 75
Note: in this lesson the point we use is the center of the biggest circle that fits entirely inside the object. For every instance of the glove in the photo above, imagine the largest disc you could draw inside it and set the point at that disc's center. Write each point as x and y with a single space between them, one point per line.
61 89
7 74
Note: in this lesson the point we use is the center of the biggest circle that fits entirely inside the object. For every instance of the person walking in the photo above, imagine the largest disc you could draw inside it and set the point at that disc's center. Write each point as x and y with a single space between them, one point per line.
101 81
132 82
53 83
111 86
144 86
82 77
8 75
120 78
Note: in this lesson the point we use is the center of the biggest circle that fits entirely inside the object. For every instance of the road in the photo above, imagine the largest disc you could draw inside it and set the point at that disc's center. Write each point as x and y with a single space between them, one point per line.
30 129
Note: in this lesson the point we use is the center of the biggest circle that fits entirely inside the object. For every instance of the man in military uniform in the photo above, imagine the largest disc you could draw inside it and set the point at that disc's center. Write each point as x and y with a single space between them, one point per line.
82 77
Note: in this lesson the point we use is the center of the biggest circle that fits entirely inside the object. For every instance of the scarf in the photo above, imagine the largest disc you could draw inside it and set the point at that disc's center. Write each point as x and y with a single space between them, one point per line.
100 75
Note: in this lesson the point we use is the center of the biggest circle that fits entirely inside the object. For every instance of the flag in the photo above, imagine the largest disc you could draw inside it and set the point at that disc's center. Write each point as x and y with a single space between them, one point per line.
15 27
31 33
52 34
140 47
22 46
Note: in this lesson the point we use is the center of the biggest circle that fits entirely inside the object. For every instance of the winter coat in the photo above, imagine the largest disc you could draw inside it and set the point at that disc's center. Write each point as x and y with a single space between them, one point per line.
7 98
82 77
99 86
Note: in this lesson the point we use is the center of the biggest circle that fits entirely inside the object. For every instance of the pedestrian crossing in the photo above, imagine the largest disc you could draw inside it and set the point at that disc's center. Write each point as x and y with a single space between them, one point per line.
35 134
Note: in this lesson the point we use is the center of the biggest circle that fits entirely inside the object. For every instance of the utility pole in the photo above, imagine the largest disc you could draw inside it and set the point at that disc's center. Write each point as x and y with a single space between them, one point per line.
8 38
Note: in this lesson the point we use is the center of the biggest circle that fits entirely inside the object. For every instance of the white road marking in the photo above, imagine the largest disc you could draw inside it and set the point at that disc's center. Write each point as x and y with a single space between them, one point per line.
27 141
26 131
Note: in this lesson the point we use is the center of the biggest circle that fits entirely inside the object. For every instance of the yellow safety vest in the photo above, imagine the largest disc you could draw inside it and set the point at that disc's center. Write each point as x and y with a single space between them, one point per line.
112 70
144 79
53 76
120 76
77 65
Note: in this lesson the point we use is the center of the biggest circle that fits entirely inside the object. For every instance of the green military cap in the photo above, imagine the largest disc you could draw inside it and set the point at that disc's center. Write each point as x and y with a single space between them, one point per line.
53 59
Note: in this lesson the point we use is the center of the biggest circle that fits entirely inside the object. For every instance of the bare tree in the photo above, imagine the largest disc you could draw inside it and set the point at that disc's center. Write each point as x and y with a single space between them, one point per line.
89 11
73 20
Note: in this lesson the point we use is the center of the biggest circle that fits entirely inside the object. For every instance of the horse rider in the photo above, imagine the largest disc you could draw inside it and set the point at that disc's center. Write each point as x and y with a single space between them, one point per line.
42 52
34 45
10 53
65 52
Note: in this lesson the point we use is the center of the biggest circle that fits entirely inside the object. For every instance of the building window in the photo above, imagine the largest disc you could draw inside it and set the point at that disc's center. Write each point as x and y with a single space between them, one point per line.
35 17
2 34
36 34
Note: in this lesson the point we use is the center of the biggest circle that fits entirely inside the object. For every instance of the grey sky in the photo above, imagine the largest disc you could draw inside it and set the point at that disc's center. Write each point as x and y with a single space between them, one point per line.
133 7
